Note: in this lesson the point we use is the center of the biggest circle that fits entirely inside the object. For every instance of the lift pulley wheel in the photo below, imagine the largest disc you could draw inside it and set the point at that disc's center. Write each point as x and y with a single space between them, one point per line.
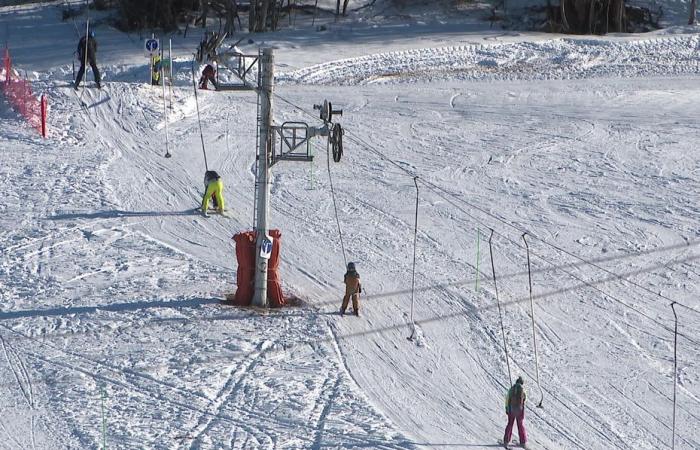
332 111
326 111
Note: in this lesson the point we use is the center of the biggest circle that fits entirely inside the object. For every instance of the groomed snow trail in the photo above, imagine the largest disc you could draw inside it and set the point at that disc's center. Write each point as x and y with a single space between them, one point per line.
563 58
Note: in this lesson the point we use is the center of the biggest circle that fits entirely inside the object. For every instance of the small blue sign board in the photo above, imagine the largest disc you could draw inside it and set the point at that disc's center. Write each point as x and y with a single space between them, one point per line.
266 247
151 46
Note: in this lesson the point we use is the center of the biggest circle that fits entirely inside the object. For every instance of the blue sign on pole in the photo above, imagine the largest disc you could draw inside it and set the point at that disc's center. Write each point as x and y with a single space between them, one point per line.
151 46
266 247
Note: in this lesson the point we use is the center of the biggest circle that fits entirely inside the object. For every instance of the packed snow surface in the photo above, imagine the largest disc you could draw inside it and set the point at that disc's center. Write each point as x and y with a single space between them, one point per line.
111 330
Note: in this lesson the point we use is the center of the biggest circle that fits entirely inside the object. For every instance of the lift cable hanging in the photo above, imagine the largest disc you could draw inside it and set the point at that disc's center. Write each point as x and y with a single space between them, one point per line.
675 376
335 207
413 272
199 118
498 302
534 333
165 113
295 134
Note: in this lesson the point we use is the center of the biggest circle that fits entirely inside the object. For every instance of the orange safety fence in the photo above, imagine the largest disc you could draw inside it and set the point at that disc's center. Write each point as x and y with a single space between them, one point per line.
19 94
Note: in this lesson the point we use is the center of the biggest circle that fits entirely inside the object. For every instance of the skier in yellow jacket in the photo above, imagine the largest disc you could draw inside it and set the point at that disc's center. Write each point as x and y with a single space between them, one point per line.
214 189
353 288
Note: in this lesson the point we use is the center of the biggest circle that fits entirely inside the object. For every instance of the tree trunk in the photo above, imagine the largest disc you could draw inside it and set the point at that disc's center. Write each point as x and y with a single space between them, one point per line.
618 16
263 16
230 10
565 27
264 11
691 19
593 16
252 16
167 18
204 7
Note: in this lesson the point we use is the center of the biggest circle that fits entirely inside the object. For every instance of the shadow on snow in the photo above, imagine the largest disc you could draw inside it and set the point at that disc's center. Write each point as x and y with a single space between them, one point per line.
117 213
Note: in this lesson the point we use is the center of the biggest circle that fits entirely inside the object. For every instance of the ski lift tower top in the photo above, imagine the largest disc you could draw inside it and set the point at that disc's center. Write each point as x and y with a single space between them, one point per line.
292 137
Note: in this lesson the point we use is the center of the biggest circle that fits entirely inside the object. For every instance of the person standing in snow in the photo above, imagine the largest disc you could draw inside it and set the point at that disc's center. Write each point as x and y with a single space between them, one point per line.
208 74
90 44
353 288
515 409
214 189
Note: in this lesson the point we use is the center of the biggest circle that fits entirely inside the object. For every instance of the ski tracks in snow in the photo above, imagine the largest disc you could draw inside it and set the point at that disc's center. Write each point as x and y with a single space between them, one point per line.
228 397
24 382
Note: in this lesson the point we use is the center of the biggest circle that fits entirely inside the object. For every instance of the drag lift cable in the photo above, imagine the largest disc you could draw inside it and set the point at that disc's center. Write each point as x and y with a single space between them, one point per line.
199 118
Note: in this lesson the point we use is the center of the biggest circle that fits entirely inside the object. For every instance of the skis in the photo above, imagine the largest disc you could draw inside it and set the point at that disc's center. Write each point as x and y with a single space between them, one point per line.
82 102
83 105
211 211
512 445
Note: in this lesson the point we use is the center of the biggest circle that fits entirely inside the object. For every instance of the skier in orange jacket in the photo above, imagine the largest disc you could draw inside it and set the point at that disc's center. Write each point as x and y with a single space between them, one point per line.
353 288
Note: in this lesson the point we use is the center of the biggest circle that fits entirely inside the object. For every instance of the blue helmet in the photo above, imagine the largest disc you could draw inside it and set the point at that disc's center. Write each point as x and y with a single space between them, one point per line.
91 34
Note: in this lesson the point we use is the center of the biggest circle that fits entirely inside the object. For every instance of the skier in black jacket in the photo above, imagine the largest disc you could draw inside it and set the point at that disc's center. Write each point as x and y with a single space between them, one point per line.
91 50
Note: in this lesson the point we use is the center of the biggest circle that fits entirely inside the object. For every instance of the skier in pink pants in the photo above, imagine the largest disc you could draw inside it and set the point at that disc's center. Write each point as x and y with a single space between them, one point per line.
515 409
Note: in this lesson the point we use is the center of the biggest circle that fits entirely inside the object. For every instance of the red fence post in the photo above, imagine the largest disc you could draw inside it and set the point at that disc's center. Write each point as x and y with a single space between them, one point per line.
43 115
19 94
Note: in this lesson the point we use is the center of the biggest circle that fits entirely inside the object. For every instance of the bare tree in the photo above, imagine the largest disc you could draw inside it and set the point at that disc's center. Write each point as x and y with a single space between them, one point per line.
593 16
204 9
337 7
691 19
264 15
138 14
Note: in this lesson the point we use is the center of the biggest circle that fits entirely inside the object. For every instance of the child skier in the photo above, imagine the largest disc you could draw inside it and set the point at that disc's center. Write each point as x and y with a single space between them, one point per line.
208 74
515 409
353 288
214 189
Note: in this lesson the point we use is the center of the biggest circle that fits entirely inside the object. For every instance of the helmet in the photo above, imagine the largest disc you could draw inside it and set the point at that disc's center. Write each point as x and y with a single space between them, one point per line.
91 34
351 267
519 380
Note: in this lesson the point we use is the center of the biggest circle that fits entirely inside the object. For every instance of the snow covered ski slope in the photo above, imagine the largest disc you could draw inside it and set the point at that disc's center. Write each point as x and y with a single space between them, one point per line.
111 331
